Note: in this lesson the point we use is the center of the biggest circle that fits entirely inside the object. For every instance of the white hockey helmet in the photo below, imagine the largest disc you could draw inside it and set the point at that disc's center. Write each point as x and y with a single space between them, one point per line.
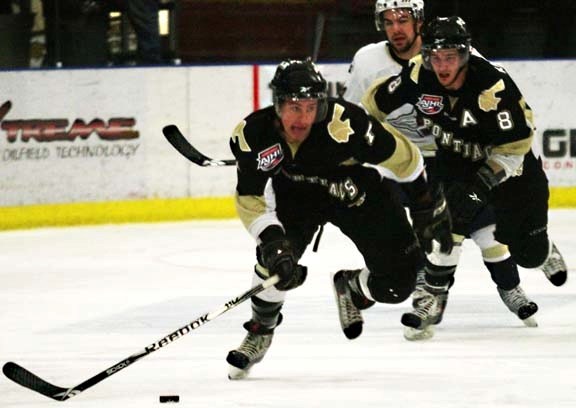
416 8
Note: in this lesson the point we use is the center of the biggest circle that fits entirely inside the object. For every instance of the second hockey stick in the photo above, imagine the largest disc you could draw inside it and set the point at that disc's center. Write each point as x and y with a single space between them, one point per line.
318 31
177 139
30 380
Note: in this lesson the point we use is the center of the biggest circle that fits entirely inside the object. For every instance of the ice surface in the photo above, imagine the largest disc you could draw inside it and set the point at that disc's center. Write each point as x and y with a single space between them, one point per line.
75 301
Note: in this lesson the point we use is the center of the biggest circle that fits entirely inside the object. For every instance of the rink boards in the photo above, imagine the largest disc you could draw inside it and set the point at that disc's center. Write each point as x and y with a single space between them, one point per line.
85 146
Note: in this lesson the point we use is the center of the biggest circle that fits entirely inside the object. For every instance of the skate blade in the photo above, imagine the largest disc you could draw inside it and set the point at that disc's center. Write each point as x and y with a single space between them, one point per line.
235 373
530 322
413 334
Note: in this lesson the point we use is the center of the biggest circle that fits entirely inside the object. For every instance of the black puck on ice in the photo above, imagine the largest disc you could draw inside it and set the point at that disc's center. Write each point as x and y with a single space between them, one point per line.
169 398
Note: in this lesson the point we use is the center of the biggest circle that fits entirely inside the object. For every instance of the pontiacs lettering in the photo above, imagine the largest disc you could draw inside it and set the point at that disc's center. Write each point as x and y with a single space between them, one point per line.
57 138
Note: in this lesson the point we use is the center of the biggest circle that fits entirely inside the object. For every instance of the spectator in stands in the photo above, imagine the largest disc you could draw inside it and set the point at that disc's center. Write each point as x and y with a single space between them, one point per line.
143 15
76 32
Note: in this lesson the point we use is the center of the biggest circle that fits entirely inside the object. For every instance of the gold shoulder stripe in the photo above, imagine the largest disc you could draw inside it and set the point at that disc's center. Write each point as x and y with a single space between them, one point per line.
527 113
338 129
417 66
487 100
238 137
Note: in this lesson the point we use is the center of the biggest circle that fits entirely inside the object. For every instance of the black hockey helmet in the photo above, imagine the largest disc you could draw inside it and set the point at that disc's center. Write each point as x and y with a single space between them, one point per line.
446 33
295 80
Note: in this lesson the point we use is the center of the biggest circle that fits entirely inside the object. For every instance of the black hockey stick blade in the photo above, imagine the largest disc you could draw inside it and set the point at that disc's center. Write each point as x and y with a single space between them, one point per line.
177 139
27 379
5 108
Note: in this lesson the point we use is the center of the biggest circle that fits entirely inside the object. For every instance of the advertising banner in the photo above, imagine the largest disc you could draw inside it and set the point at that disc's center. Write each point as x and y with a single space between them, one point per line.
90 135
96 134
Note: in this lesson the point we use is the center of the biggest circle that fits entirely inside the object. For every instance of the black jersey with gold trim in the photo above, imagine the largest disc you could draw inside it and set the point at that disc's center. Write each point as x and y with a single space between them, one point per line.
347 137
337 163
487 115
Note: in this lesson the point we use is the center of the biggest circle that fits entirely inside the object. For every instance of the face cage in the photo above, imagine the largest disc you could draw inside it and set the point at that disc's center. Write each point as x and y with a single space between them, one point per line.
321 97
463 53
379 16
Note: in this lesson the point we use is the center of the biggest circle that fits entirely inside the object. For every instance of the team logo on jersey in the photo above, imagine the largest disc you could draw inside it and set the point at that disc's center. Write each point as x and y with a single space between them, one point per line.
270 157
430 104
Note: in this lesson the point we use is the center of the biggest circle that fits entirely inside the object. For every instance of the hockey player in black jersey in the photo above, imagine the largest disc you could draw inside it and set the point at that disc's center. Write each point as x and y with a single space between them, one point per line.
308 160
483 129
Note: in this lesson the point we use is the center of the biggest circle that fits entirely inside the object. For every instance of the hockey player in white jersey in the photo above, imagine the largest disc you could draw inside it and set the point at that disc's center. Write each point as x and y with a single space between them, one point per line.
401 22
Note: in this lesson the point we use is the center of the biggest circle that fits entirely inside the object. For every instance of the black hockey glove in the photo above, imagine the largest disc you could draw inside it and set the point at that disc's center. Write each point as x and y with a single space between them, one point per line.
433 222
278 256
466 200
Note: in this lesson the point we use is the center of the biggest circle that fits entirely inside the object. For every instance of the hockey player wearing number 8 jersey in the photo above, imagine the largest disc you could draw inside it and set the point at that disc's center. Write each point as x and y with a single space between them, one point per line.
309 160
401 21
483 128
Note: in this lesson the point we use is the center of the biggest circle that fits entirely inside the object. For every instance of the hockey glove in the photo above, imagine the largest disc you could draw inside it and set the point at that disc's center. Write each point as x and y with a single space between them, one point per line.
433 222
278 256
466 200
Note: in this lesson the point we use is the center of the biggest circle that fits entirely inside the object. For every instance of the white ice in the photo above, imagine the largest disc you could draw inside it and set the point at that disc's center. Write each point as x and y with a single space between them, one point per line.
75 301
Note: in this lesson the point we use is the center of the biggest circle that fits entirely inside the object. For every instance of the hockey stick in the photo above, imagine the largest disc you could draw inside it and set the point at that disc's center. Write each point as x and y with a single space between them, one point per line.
177 139
29 380
318 32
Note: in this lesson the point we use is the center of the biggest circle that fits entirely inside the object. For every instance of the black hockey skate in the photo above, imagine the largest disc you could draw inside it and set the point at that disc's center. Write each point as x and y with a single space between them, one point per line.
442 299
251 351
350 302
442 295
428 304
555 268
519 304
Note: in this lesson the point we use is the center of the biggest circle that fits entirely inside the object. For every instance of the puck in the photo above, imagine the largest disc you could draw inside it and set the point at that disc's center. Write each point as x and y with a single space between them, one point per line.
169 398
